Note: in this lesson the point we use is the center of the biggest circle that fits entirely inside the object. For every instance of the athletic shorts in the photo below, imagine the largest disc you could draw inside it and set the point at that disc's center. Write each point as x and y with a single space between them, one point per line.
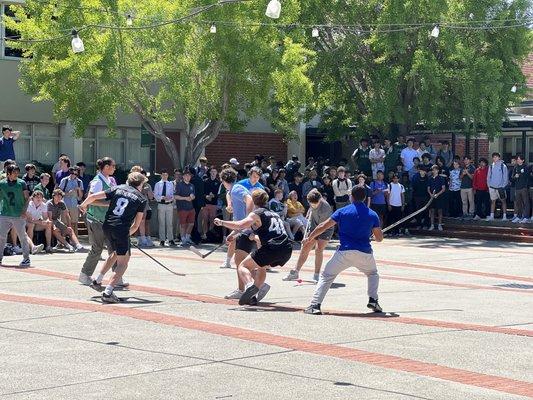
380 209
148 215
186 216
244 243
438 203
274 256
118 240
324 235
497 194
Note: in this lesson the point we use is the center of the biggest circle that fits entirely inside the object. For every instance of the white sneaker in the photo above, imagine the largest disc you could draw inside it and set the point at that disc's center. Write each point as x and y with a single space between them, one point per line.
226 264
440 227
504 218
515 220
524 220
263 290
489 218
235 295
71 248
17 250
292 275
431 228
477 218
85 279
79 247
37 249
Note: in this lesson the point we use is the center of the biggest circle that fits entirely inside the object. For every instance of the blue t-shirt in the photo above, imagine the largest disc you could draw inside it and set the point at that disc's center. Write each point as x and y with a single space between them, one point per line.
248 185
379 197
184 190
6 149
356 222
238 193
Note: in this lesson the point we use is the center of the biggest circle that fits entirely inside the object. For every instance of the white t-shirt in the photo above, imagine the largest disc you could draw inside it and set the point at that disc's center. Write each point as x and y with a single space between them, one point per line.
395 194
407 156
37 212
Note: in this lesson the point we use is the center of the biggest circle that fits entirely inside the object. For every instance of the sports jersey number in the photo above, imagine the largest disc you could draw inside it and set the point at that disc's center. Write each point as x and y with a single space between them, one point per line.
276 226
122 203
11 196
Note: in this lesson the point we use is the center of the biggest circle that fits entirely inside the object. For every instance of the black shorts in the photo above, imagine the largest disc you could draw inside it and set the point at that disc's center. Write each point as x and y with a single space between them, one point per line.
118 240
438 203
271 255
380 209
244 243
148 215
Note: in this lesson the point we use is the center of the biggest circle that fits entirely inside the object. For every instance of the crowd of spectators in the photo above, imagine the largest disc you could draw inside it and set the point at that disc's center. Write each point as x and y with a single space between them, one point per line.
399 177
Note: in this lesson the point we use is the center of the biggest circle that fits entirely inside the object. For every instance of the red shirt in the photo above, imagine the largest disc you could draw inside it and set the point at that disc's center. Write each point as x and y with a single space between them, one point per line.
480 179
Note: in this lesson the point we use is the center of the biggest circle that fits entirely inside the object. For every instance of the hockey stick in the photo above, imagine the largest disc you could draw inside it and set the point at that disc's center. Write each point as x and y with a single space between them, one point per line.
308 226
202 255
412 215
157 262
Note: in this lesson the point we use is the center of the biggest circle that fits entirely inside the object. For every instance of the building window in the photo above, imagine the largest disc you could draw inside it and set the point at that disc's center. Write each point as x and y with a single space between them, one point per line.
6 33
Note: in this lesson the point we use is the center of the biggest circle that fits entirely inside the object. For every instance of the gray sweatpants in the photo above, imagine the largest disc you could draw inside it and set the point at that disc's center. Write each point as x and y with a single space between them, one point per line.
6 223
97 241
342 260
165 217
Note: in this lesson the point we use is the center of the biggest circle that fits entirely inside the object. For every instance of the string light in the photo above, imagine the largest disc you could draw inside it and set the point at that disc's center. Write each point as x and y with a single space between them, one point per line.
513 89
213 29
435 31
129 20
77 43
273 9
315 33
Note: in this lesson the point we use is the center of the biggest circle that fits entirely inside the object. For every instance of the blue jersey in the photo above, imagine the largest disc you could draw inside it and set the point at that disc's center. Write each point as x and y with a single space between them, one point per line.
356 222
248 185
238 195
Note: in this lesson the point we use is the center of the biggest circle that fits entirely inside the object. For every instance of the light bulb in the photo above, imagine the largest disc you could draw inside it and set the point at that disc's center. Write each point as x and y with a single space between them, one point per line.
315 33
435 31
213 29
129 20
513 89
471 16
273 9
77 43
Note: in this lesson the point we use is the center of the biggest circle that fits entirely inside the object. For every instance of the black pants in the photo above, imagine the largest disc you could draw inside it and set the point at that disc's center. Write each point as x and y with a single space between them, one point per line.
456 204
482 200
395 214
422 219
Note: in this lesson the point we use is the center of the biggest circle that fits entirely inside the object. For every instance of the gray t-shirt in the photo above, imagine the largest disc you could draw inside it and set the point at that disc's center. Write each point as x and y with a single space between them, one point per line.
321 214
56 209
184 190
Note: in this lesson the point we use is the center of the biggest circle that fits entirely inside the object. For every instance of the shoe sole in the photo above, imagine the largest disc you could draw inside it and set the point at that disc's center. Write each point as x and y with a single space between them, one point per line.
313 312
375 309
110 301
99 289
247 295
263 294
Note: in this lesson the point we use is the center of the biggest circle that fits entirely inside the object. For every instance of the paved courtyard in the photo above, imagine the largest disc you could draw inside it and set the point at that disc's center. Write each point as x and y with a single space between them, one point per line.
459 325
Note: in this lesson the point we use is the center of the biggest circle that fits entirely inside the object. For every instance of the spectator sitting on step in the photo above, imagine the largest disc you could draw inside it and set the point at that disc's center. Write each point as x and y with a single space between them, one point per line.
276 205
295 214
60 217
30 178
72 187
37 221
43 186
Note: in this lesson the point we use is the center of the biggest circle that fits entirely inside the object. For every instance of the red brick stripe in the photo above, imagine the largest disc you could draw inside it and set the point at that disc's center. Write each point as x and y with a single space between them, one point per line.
218 300
402 364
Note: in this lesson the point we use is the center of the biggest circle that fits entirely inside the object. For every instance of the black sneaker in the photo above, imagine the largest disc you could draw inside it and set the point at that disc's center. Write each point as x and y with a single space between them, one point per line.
172 243
25 263
248 294
162 243
374 305
254 301
97 286
313 309
110 298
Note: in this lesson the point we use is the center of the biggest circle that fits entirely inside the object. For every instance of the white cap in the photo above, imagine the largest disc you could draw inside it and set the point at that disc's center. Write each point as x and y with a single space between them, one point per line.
233 161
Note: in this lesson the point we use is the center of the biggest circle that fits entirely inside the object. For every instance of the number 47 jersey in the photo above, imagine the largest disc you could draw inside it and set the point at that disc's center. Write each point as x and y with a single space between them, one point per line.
272 230
125 203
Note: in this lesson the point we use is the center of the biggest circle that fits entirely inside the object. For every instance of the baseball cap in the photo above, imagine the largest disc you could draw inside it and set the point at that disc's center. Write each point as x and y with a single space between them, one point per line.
233 161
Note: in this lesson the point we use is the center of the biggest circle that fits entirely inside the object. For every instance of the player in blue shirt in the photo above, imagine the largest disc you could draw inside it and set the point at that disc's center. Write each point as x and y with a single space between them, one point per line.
252 182
356 223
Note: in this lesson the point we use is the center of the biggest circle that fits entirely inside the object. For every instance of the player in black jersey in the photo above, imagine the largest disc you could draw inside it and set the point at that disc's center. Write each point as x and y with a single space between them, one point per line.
125 214
275 250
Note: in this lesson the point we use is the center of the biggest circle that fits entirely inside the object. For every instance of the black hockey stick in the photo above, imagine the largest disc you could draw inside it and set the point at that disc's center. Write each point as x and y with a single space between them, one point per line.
157 262
202 255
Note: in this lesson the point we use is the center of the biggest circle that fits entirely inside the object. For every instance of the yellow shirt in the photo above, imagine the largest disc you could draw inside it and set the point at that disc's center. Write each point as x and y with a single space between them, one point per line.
294 208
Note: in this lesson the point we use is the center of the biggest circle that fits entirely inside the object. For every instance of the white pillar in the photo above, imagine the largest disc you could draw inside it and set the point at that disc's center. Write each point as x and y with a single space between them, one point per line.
71 145
298 145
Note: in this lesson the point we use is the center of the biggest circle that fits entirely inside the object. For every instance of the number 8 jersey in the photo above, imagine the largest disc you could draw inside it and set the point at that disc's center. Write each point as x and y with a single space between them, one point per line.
126 202
272 230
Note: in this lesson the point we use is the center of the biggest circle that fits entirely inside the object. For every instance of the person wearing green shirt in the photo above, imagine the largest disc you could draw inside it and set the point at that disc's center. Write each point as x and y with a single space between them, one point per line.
14 198
43 186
